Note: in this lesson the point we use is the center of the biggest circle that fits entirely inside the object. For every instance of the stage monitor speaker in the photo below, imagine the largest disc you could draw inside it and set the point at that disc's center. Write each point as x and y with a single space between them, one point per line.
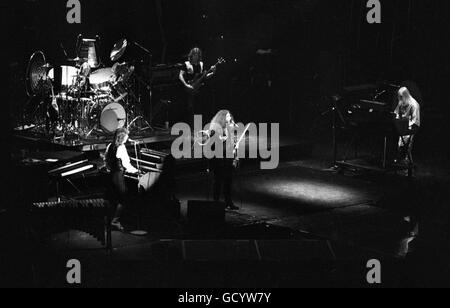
206 212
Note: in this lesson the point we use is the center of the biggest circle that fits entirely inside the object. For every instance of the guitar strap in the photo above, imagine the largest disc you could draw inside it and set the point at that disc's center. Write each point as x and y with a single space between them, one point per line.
190 67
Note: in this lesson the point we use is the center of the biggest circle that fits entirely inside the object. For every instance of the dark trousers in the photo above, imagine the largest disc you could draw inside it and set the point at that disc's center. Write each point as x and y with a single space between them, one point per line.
223 170
117 193
191 109
197 104
406 145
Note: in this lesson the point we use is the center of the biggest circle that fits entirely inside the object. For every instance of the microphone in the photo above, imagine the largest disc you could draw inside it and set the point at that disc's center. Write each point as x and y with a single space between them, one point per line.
394 85
233 123
134 141
379 94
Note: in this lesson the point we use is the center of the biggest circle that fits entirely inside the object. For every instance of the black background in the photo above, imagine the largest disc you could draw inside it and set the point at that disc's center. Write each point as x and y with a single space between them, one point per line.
321 45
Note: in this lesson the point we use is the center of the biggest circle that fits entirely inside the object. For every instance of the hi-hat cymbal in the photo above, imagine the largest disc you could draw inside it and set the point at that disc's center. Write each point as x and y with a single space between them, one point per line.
118 50
77 59
47 66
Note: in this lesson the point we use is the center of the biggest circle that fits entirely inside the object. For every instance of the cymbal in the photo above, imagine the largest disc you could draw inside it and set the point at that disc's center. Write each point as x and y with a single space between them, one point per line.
77 59
47 66
118 50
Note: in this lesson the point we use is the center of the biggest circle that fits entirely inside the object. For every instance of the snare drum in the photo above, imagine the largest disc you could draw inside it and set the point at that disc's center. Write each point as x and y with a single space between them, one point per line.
113 117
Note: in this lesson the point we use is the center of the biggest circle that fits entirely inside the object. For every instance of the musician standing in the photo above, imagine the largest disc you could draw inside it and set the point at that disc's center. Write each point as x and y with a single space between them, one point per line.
223 168
118 163
192 70
407 108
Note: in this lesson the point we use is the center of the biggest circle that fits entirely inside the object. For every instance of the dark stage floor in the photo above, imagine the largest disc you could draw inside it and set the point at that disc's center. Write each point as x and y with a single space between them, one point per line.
296 218
299 225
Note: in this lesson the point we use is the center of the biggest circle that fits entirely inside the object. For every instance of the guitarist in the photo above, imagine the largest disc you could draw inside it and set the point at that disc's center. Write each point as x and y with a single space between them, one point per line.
223 168
192 70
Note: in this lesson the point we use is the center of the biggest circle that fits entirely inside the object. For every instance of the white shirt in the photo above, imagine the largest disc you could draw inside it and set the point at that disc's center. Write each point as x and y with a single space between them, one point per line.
122 154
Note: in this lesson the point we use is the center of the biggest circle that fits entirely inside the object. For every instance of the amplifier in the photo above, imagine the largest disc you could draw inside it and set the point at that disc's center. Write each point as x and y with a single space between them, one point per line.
165 74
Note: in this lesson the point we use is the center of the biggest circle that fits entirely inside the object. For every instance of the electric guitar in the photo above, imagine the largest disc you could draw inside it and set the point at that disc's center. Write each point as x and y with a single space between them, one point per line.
199 80
236 147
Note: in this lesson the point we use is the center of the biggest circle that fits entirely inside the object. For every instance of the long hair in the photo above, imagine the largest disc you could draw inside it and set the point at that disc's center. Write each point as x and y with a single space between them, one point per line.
111 152
220 120
405 96
119 137
195 52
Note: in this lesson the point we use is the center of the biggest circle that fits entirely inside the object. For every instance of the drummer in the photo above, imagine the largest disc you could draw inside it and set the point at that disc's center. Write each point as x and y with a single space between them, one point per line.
121 72
83 76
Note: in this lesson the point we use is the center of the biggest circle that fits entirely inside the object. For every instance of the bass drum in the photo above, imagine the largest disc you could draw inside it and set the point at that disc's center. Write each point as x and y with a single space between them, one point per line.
113 117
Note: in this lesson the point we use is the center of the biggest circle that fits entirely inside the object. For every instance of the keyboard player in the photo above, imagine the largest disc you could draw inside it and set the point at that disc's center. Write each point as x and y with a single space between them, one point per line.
408 109
118 163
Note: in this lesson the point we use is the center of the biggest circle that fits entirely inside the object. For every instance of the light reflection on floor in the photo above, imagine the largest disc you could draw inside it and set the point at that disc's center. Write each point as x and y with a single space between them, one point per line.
309 191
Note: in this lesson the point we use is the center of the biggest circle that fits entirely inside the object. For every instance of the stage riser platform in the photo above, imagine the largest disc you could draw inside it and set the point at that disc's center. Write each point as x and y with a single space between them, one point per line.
32 141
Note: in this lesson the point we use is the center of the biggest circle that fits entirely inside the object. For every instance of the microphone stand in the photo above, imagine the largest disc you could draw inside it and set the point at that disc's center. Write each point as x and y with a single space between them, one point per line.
143 48
145 84
138 232
335 113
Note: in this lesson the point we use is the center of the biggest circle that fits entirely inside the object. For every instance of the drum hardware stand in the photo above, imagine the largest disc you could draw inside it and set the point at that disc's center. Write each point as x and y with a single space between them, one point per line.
138 116
140 129
139 100
24 113
35 113
141 83
95 128
91 131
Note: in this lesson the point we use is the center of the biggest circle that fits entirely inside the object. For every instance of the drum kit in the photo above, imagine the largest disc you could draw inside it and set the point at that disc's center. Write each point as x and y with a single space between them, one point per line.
92 99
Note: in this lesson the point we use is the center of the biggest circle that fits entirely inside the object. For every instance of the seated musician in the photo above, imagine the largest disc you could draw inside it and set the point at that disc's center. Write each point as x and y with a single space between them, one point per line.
118 163
83 76
223 168
407 108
